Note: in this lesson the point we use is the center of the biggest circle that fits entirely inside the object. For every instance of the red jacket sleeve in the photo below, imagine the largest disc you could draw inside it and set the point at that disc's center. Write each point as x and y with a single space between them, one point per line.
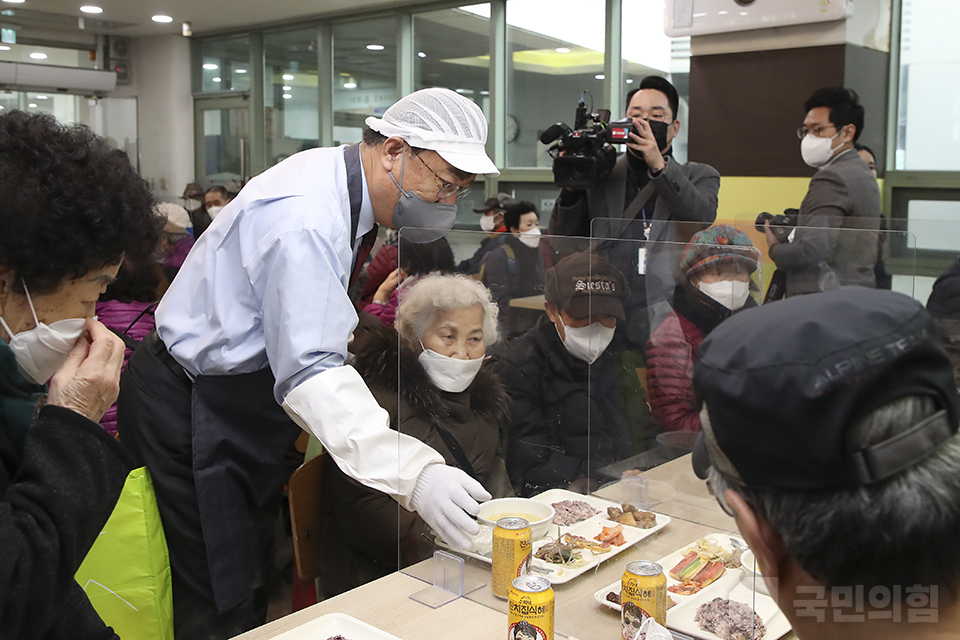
671 351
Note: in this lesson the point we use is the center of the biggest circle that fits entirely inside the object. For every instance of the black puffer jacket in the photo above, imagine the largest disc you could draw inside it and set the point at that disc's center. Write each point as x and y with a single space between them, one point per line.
361 525
57 492
551 440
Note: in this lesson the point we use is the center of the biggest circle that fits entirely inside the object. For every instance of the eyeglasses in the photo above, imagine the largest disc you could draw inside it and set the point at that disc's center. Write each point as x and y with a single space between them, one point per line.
816 130
722 501
447 189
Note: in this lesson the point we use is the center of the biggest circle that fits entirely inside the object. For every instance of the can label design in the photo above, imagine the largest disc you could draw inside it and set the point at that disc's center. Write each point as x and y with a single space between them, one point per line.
643 594
531 610
512 546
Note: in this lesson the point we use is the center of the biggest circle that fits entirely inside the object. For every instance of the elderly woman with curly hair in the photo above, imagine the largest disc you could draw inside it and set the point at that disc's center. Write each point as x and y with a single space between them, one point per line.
444 396
73 208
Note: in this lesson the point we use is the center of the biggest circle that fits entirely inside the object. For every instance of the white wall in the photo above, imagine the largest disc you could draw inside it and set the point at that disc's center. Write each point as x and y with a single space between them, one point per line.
161 83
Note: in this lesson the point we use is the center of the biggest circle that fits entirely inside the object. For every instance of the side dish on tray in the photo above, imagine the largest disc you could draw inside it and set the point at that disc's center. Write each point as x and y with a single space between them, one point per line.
730 620
570 512
701 565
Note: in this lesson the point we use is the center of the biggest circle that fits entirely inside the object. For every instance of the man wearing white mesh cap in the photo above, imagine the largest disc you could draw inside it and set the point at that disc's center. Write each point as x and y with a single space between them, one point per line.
258 319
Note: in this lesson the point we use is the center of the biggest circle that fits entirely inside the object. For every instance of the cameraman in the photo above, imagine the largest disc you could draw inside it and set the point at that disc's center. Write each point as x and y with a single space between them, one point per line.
647 191
835 243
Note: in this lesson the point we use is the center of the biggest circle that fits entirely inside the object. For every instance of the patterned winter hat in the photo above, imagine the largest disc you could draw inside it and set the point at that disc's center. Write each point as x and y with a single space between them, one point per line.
715 245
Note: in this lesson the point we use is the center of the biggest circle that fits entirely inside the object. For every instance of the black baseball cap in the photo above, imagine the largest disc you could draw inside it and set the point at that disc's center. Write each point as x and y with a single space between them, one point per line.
584 283
785 383
494 203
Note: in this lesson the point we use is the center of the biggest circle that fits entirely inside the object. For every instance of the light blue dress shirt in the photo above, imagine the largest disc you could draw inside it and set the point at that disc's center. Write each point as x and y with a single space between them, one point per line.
266 284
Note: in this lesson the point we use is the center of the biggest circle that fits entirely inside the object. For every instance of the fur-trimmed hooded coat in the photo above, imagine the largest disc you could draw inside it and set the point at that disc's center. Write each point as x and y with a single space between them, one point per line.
362 527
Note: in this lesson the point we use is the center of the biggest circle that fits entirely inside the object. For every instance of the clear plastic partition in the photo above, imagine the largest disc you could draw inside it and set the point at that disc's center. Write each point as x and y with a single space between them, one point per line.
582 416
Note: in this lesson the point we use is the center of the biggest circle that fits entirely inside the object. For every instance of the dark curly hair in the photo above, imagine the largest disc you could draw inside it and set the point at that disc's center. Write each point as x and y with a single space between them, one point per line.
72 203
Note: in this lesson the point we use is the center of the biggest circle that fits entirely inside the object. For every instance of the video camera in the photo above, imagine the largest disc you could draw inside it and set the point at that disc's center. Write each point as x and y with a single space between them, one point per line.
781 225
585 155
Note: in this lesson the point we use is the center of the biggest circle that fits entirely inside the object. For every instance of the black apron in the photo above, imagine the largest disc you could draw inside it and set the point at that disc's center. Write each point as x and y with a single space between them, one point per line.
240 438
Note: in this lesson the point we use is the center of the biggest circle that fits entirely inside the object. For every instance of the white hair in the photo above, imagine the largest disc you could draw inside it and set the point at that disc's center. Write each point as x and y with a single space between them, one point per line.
435 293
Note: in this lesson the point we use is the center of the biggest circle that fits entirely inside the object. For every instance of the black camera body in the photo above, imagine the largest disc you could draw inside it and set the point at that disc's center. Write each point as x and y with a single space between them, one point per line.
780 225
584 155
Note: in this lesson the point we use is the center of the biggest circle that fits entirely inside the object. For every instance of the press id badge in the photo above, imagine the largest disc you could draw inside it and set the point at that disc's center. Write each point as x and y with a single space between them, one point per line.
642 261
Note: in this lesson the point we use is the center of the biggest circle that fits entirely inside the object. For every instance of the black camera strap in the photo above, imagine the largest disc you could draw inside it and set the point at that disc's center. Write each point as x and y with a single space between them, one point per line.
636 206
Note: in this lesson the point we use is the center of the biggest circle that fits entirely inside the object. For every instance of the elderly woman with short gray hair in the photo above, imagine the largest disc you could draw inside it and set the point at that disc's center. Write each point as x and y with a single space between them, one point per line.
443 395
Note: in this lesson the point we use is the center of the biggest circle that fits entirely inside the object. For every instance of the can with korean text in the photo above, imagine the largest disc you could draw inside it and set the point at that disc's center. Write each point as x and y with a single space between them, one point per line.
643 594
531 609
512 545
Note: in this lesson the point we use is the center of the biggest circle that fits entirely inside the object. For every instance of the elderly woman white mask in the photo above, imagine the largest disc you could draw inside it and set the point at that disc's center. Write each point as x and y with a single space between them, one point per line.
453 348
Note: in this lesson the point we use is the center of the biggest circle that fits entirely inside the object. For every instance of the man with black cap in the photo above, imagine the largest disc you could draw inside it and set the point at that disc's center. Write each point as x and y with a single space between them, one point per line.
491 221
566 419
251 347
834 445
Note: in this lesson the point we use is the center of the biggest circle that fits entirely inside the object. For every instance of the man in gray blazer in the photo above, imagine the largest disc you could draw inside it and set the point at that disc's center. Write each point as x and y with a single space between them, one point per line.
647 196
835 243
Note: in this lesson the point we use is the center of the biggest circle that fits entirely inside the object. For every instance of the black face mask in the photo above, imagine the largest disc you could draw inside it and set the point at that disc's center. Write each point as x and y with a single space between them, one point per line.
659 130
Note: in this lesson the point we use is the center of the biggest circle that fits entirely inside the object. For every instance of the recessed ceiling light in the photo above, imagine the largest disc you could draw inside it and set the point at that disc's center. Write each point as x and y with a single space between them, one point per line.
39 97
287 76
36 55
287 87
240 70
210 66
14 1
562 50
162 18
629 80
349 85
32 105
421 54
217 80
484 93
600 76
4 47
89 8
374 47
287 96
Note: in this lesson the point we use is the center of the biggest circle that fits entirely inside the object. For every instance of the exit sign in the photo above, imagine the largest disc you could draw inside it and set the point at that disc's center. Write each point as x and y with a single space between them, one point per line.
8 36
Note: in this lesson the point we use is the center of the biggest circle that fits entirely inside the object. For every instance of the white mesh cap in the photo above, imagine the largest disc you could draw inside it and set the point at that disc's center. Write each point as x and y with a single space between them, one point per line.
443 121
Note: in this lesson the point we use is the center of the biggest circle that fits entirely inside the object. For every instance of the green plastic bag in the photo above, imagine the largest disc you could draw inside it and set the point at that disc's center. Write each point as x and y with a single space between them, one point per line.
126 575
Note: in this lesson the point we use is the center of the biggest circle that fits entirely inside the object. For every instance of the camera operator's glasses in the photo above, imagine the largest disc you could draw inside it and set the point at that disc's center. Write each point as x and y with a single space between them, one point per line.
816 130
447 189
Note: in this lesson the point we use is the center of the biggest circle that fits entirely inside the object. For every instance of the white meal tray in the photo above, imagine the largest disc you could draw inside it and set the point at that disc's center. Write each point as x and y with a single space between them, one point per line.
730 585
333 624
587 529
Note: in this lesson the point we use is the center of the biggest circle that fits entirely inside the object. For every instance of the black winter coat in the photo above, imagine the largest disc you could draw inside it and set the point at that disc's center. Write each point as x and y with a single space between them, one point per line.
551 440
361 525
57 493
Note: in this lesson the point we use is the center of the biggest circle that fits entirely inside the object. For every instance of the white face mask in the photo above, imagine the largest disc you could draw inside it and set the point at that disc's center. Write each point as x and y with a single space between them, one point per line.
213 211
41 351
815 151
488 223
732 294
586 343
450 374
531 238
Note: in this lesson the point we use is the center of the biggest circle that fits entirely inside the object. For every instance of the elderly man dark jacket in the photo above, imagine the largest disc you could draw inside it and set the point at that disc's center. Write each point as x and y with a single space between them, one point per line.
564 412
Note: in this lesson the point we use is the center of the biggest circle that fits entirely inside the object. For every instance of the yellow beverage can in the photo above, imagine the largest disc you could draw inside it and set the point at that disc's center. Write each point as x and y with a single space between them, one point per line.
643 594
512 545
531 609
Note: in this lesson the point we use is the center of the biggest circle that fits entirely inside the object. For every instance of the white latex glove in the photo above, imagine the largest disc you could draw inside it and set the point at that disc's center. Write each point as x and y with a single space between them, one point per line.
443 496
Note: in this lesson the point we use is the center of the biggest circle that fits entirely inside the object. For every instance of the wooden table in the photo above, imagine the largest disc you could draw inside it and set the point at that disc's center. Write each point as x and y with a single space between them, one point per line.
529 302
386 604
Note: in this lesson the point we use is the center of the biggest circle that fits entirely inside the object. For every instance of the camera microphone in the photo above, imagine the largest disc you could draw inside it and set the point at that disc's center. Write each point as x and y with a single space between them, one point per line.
553 132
